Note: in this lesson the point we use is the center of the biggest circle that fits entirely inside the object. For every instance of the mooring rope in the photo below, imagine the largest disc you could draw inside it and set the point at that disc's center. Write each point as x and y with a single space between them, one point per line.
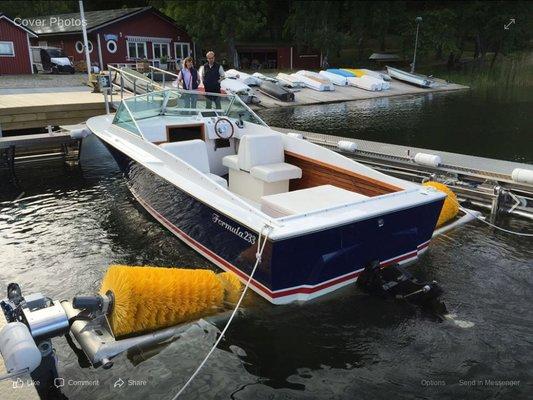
258 256
491 224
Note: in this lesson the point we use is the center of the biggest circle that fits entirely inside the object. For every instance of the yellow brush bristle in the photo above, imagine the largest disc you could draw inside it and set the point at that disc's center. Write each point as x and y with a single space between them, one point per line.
451 205
151 298
232 286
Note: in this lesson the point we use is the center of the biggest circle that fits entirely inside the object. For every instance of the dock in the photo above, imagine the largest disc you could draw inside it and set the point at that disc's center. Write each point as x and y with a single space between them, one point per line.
64 144
38 110
479 181
307 96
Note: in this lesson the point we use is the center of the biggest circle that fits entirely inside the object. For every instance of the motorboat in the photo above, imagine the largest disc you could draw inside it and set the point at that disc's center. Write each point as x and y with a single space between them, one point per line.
223 182
413 79
245 78
293 81
336 79
315 81
276 91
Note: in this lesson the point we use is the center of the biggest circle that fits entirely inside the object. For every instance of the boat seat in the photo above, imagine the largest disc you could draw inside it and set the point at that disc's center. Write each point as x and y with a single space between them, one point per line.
194 153
259 167
307 200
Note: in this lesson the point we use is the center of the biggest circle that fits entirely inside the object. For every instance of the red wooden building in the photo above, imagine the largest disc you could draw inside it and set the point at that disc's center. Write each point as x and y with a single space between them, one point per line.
15 56
273 56
116 37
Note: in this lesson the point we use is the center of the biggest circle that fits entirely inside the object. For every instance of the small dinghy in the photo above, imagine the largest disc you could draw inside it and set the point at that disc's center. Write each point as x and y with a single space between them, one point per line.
336 79
365 83
376 74
414 79
313 80
341 72
245 78
360 73
276 91
235 86
263 77
293 81
245 195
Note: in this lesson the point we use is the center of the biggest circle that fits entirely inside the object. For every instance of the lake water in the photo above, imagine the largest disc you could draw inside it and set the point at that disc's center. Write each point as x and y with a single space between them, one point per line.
62 227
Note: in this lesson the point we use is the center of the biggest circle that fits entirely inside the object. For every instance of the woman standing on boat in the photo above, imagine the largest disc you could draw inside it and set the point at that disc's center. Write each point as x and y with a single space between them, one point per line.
188 77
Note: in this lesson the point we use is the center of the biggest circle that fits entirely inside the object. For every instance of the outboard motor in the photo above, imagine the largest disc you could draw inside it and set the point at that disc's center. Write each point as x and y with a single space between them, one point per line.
396 282
25 342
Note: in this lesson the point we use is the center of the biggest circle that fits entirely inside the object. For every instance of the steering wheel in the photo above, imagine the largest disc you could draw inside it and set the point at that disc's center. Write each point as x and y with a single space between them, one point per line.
224 129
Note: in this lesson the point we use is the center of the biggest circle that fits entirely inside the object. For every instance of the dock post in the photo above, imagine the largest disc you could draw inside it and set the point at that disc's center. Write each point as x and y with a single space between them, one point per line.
499 194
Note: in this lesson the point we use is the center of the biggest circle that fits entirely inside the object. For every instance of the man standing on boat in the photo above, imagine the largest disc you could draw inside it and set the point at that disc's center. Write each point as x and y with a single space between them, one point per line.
212 73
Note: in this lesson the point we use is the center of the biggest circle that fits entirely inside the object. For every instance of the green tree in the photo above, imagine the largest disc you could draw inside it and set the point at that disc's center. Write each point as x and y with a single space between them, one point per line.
315 24
218 24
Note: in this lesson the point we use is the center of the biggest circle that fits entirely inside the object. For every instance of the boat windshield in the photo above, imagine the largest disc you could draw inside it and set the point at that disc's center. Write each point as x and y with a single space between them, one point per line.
175 102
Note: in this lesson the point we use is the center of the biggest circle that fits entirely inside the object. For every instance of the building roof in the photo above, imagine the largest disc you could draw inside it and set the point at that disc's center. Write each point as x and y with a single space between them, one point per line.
30 32
94 20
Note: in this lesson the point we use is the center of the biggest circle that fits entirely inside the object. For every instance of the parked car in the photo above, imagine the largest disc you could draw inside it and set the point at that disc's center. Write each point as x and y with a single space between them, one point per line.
51 59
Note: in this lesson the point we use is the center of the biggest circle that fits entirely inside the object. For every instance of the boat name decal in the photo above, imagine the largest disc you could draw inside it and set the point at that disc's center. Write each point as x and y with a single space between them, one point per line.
236 230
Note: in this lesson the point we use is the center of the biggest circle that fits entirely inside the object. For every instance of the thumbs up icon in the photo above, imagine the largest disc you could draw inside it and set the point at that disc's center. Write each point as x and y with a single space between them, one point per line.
18 383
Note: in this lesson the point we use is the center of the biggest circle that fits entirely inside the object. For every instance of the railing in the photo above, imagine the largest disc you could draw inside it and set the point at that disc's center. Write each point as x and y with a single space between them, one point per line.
161 71
134 79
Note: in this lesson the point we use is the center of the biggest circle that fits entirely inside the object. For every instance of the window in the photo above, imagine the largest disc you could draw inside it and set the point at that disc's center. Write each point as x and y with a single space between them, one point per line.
136 50
111 46
7 49
79 46
161 50
182 50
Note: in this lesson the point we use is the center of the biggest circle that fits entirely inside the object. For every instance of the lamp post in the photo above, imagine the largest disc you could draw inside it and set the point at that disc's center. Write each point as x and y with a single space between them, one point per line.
85 40
418 21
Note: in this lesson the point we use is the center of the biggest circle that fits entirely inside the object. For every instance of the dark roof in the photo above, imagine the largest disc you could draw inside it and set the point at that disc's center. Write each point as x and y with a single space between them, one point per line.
95 20
4 16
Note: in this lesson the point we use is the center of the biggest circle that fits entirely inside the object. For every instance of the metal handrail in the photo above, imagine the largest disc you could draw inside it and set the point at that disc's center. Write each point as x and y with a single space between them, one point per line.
152 69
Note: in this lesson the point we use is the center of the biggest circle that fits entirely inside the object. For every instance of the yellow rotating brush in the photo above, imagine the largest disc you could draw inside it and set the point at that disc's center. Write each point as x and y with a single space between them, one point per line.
151 298
451 205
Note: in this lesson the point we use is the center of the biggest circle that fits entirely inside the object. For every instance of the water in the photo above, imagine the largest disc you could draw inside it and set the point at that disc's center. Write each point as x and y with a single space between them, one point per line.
486 123
62 227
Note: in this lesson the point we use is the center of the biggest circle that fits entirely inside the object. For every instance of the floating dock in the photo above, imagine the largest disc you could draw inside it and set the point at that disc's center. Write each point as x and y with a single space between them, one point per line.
307 96
483 182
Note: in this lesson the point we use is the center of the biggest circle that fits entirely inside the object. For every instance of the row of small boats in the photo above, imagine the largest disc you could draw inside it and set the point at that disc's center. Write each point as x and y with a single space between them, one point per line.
282 86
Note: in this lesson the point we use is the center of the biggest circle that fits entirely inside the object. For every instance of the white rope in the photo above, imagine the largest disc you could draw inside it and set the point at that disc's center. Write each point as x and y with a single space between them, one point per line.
258 255
494 226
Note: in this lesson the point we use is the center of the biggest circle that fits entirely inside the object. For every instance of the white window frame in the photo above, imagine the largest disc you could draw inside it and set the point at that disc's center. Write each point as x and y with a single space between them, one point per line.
12 48
160 44
178 56
116 46
89 45
136 50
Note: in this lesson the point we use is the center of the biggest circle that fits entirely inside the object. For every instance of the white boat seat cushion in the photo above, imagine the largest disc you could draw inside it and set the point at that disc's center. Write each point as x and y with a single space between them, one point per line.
260 149
276 172
307 200
232 162
194 153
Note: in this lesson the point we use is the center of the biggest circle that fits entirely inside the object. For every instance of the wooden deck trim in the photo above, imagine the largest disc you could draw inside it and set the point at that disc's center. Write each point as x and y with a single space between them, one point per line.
368 185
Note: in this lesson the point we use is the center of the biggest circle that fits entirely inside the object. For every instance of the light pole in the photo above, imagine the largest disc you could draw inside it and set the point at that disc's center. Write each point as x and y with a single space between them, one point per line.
418 21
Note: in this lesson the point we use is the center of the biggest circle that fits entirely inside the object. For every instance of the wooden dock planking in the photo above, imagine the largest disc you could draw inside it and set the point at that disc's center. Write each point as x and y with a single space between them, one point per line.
307 96
36 110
